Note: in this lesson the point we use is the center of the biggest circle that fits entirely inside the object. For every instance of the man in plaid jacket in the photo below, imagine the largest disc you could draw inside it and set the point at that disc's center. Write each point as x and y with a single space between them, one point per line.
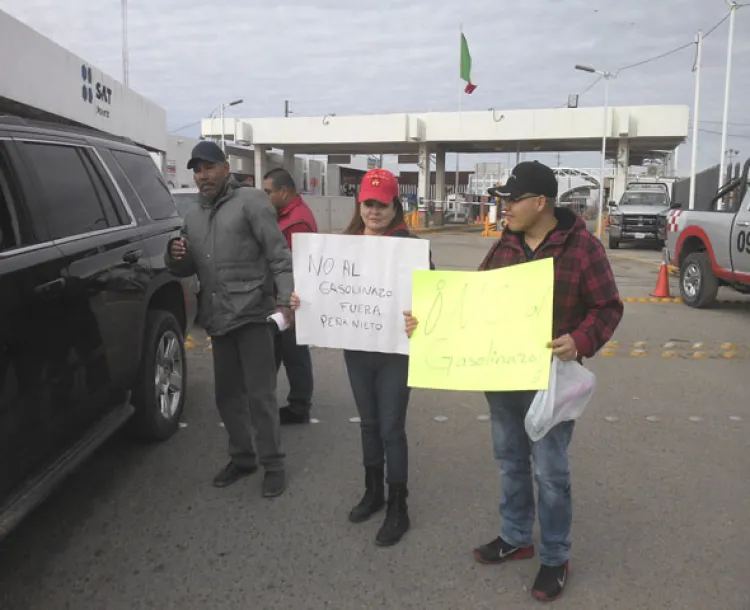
587 309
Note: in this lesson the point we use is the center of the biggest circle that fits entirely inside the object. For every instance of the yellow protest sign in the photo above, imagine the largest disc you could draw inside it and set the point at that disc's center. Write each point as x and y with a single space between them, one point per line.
482 330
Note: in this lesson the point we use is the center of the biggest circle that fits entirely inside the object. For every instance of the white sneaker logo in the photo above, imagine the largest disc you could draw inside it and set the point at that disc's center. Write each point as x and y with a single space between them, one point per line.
561 582
507 553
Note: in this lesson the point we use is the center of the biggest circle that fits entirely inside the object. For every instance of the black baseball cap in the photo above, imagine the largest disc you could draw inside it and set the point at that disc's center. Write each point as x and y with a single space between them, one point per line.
527 178
206 151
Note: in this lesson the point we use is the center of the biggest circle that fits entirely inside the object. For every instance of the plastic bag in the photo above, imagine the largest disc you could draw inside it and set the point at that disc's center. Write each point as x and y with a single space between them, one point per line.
571 387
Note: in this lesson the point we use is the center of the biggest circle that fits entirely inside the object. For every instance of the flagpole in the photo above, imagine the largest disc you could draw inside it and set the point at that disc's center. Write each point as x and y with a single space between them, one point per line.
460 96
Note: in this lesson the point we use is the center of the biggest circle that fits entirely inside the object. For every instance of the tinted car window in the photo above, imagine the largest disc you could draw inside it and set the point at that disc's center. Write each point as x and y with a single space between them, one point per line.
146 180
73 204
10 237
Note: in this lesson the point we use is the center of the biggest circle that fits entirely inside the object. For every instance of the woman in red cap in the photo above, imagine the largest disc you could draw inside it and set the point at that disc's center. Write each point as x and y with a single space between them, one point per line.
379 381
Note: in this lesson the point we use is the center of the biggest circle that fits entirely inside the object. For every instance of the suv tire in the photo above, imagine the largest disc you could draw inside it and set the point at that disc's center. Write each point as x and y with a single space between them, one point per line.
159 393
614 244
698 284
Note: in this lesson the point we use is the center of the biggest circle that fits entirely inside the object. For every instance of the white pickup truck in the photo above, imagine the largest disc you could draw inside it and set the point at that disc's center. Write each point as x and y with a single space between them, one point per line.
635 218
712 249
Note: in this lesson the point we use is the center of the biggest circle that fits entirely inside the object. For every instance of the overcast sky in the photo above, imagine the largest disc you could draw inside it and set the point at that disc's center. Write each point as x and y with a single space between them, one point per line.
355 57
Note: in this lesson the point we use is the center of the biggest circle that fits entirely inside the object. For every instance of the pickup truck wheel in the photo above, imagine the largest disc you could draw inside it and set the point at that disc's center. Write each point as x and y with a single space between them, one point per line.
159 394
698 284
614 244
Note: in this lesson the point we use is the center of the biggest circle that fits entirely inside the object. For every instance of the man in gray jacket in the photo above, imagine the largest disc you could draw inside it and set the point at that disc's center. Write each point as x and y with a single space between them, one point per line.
233 243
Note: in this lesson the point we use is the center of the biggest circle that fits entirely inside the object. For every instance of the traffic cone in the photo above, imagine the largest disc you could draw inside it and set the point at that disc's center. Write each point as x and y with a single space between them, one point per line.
662 282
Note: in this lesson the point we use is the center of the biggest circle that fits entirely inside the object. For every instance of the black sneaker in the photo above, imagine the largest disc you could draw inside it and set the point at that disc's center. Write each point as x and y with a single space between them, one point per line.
499 551
274 483
231 473
550 582
287 416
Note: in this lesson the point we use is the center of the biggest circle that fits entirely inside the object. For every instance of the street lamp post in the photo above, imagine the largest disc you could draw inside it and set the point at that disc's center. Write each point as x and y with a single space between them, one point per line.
733 6
223 106
607 76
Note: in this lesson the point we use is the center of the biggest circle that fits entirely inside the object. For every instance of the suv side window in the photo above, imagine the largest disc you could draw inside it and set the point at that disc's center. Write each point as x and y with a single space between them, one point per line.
77 201
143 175
10 235
14 229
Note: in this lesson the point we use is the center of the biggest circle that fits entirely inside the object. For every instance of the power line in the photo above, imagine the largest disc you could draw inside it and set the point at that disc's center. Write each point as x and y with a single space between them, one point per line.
185 126
591 86
655 58
731 135
676 49
729 123
713 29
665 54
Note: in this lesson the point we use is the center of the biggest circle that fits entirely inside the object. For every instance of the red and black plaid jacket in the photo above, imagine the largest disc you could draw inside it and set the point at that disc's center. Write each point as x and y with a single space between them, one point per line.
587 304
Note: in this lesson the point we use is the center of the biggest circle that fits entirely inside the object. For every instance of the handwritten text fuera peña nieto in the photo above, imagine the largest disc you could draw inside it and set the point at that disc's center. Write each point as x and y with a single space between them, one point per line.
350 312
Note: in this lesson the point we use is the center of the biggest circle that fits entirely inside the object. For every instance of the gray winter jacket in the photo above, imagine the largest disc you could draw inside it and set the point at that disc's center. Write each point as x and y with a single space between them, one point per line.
239 254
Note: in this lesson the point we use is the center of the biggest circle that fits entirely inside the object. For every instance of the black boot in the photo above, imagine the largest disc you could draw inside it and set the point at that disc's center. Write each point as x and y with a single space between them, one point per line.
374 497
396 519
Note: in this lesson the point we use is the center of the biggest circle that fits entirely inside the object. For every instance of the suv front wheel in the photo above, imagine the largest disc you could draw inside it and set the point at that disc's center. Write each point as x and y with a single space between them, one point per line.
698 284
159 394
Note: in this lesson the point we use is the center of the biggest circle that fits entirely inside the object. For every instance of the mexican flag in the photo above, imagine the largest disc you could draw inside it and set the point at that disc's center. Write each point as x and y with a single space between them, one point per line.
466 65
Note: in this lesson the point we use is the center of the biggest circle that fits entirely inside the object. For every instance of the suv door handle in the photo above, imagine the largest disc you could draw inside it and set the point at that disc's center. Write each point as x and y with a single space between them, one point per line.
50 287
744 223
133 256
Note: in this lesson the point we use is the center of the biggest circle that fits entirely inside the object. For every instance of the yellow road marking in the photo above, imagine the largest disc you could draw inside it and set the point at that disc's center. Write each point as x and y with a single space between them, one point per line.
635 259
652 300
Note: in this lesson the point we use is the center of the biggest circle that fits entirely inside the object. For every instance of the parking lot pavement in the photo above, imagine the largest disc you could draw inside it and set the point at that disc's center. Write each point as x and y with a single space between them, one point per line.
660 486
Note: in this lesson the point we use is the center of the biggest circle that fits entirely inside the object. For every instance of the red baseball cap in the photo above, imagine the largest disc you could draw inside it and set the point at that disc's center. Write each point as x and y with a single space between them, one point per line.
380 185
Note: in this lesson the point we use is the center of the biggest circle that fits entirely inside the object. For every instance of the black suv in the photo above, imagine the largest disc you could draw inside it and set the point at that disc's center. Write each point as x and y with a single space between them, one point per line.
92 324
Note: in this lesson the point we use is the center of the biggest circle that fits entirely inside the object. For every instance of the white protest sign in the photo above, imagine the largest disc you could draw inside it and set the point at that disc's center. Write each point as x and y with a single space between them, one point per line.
353 289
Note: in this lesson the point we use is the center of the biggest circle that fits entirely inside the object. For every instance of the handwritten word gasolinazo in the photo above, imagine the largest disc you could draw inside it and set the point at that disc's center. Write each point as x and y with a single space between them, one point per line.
437 358
327 288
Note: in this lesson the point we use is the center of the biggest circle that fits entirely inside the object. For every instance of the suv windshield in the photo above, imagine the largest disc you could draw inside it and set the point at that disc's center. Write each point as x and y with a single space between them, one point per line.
655 199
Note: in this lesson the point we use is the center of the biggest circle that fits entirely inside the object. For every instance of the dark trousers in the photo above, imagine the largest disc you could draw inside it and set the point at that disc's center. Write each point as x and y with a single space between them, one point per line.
381 393
298 365
245 385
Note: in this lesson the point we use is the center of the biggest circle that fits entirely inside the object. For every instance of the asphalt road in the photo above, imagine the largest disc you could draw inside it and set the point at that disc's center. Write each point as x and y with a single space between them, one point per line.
661 490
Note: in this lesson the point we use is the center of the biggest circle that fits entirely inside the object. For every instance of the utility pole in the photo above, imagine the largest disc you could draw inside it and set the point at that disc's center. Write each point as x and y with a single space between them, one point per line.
732 12
287 109
696 115
125 60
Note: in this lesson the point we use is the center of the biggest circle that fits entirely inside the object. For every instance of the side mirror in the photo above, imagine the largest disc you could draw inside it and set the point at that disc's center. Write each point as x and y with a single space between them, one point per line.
675 205
612 204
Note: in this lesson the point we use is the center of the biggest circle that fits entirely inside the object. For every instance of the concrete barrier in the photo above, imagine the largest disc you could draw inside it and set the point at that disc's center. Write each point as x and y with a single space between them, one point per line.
332 214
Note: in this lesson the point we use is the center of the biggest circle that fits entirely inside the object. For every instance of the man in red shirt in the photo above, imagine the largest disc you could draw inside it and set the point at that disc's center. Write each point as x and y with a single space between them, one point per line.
294 216
586 311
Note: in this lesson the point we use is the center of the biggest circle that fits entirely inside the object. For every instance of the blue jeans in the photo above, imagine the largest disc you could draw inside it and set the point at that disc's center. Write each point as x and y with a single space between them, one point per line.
513 451
381 393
